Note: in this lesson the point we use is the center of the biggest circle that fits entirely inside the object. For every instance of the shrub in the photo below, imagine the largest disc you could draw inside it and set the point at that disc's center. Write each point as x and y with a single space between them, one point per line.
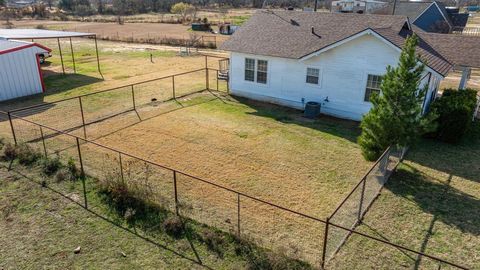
27 155
51 165
454 112
73 170
62 175
213 240
173 226
10 151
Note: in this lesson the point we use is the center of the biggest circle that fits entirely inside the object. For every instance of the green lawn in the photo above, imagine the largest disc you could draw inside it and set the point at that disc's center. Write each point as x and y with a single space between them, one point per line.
431 204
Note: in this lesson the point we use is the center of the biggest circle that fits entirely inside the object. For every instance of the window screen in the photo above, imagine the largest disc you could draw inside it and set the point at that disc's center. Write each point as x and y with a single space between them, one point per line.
373 86
313 75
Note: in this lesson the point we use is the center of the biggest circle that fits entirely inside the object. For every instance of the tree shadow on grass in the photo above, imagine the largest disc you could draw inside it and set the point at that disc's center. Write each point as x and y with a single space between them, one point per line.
448 204
346 129
461 159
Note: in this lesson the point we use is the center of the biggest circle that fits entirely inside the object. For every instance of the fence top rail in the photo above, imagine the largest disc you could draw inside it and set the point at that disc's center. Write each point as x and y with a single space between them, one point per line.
360 182
249 196
103 91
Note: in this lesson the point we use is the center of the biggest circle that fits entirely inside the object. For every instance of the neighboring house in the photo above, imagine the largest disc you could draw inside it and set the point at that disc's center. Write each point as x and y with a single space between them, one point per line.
430 16
357 6
290 58
20 73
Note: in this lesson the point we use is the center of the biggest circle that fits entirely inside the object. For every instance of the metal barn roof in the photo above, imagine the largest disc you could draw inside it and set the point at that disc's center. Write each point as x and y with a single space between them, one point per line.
15 45
39 33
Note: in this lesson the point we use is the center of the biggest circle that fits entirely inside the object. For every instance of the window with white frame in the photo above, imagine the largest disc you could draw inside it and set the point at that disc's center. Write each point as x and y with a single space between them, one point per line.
249 69
373 86
256 70
313 75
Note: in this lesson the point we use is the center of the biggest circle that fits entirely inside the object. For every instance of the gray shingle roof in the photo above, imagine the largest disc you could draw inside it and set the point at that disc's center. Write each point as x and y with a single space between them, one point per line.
460 50
288 34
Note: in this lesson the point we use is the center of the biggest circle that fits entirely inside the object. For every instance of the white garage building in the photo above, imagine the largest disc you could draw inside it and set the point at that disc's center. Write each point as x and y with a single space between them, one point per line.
20 73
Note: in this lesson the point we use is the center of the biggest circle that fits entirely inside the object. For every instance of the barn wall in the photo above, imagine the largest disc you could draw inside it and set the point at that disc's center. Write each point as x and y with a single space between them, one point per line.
19 74
343 77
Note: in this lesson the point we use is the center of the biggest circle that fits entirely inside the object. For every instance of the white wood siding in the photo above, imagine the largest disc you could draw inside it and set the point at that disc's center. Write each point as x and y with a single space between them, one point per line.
19 75
343 77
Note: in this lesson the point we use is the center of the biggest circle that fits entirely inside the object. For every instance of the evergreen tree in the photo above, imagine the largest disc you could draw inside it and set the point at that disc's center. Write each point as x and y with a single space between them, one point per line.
396 115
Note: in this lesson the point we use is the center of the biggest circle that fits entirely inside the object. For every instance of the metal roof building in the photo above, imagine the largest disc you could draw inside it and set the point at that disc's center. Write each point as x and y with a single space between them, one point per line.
20 73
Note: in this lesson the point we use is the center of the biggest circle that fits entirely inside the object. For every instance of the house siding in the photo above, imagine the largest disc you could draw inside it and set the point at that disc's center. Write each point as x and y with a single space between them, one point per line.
426 21
19 74
343 77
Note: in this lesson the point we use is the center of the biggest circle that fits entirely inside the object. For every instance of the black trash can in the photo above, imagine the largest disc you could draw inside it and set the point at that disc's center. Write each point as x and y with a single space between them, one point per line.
312 109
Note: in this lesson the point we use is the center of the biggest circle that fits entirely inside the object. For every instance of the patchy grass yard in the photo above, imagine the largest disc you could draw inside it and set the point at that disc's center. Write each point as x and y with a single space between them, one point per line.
431 204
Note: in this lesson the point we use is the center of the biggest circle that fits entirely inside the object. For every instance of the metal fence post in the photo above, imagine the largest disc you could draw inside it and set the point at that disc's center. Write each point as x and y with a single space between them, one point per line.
173 86
217 81
83 118
121 166
238 214
133 98
82 173
325 239
11 127
207 83
175 192
362 195
43 142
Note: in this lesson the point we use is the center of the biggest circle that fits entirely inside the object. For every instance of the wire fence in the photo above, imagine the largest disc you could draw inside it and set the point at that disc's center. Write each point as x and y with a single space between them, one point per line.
270 225
352 209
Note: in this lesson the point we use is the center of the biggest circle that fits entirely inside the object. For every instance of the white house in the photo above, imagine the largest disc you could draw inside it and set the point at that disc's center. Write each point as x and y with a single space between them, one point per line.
366 6
20 72
290 58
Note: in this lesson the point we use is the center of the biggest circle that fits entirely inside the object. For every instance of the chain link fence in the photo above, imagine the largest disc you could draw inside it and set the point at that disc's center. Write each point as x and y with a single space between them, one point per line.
297 235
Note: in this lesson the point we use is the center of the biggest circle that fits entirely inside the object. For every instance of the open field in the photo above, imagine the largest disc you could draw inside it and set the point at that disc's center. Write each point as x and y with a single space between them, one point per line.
431 204
127 31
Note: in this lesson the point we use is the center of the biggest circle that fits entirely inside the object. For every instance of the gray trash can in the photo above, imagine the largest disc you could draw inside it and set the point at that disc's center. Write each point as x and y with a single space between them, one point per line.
312 109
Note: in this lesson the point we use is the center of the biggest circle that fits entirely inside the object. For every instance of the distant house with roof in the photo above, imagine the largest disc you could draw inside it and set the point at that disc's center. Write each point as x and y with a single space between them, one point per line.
430 16
357 6
336 59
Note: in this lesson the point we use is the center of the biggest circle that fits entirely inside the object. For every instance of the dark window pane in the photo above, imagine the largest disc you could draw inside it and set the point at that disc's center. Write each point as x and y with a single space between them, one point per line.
312 79
261 77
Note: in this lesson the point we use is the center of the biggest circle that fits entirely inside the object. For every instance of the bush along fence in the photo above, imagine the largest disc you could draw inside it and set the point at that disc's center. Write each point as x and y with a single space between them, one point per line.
297 235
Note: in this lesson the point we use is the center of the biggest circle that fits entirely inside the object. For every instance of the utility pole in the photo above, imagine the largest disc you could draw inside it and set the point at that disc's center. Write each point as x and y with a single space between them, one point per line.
394 6
316 5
